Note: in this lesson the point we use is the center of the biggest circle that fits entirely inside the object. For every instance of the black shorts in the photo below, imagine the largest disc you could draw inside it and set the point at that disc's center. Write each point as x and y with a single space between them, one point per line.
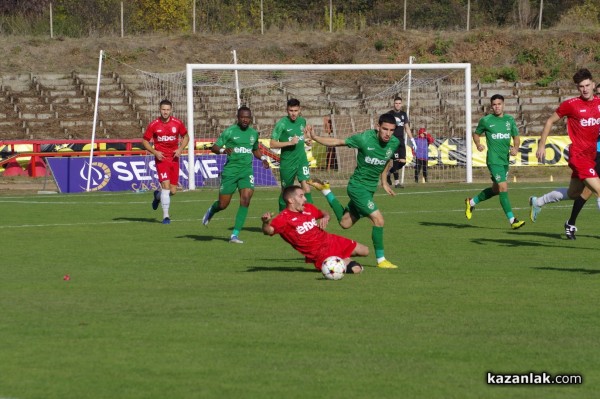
400 151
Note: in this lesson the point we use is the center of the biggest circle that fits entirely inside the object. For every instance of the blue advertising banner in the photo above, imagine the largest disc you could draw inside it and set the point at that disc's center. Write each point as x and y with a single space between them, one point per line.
136 173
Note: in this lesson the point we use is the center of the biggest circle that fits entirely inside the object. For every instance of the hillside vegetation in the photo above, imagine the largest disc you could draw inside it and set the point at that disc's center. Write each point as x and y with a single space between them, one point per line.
508 54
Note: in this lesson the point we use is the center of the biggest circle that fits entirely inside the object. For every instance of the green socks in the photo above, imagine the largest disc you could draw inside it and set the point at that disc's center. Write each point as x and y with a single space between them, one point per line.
240 219
377 237
335 205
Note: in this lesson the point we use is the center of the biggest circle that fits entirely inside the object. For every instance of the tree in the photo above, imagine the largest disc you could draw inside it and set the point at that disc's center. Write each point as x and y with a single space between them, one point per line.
162 15
27 7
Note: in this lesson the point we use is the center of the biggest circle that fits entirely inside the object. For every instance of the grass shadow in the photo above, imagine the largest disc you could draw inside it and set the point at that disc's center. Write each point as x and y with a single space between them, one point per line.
144 220
562 269
521 243
253 269
197 237
451 225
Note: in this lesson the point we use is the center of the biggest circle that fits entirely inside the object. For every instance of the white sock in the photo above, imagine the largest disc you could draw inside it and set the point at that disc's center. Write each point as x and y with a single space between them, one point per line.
379 260
165 200
553 196
598 202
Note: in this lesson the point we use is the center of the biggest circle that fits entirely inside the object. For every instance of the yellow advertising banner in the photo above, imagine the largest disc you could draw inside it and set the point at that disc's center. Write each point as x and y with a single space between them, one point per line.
556 152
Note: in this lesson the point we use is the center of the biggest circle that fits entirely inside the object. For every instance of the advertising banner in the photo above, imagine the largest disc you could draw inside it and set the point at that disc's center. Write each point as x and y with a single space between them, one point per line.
138 173
452 152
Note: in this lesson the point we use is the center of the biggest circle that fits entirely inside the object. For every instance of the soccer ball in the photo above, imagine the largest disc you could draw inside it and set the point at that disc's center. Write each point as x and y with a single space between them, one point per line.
333 268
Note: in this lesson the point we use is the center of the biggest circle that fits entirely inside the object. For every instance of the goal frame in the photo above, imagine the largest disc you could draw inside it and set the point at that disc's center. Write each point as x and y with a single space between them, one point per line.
190 68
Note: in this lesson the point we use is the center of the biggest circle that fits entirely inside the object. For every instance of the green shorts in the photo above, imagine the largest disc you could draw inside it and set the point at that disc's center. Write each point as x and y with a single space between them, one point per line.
236 179
289 174
498 173
361 201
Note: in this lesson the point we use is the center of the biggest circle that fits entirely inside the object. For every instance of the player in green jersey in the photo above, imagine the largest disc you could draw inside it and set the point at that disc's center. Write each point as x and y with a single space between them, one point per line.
375 149
498 129
288 135
240 143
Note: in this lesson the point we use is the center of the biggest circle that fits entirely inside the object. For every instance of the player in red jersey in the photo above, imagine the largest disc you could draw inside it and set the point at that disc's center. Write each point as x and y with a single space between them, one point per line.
302 225
583 124
166 132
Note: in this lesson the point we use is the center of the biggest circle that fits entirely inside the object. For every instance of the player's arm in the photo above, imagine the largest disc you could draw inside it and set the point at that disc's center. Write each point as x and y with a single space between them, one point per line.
541 151
182 145
410 136
148 147
216 149
280 144
275 143
477 140
514 150
384 183
327 141
323 221
308 131
266 224
259 155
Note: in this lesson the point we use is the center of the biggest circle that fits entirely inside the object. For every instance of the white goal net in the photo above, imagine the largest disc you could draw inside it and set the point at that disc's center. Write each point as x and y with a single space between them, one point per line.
337 100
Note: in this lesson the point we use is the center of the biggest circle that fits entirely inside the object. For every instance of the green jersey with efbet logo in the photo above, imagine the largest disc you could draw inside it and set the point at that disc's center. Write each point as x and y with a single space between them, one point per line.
498 131
285 130
371 158
243 142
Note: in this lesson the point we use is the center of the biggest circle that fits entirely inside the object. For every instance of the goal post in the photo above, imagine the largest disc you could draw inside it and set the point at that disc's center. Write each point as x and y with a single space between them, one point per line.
338 100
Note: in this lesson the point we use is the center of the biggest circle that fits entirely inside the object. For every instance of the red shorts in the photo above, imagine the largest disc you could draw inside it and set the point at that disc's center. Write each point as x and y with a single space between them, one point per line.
582 167
335 246
168 169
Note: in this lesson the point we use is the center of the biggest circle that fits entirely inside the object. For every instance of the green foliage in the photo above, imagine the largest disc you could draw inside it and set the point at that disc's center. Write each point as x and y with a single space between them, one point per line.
379 45
440 47
91 17
549 78
24 7
161 15
586 15
529 56
490 75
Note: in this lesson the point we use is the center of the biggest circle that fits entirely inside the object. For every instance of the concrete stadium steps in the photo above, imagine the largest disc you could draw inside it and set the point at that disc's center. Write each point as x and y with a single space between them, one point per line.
63 104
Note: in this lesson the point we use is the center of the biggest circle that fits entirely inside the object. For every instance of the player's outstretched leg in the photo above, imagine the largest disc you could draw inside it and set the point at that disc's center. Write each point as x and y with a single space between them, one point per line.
155 199
516 224
570 231
319 184
333 202
534 208
210 212
468 208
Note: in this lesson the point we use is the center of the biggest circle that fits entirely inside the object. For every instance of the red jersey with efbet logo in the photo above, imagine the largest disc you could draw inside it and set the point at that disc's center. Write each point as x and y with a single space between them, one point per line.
583 125
165 135
302 231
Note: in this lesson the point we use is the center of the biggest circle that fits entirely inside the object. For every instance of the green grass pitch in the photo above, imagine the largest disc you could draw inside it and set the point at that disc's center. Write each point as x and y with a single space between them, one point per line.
155 311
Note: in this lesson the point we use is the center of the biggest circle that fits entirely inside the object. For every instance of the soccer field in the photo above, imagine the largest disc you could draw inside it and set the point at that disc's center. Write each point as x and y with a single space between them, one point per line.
175 311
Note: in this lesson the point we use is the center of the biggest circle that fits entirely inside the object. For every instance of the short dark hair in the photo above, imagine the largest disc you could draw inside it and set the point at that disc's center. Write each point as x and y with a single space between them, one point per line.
293 102
496 97
243 108
581 75
387 118
289 191
397 98
165 102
